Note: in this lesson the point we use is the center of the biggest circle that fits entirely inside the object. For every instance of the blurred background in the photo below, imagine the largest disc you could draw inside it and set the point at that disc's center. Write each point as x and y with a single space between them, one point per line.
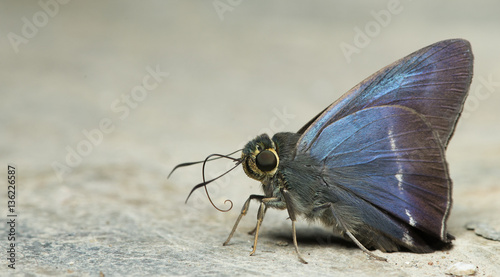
100 100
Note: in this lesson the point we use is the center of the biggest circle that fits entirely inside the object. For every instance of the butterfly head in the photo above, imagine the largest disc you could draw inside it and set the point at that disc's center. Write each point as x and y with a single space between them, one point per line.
260 158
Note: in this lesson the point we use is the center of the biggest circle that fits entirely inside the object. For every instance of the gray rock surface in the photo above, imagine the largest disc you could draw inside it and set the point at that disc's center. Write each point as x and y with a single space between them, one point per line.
484 230
100 100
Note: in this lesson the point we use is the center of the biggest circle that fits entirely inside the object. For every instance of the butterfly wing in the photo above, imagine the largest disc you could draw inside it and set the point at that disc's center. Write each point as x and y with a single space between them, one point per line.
380 148
433 81
386 166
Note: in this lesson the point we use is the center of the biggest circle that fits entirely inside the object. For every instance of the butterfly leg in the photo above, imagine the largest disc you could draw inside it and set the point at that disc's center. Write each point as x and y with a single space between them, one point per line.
291 213
255 229
351 236
265 203
260 217
244 211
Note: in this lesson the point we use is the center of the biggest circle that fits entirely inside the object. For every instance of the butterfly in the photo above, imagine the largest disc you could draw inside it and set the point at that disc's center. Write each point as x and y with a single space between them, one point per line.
372 164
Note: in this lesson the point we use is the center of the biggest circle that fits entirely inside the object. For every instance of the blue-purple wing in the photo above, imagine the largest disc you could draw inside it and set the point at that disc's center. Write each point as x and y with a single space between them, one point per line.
433 81
389 165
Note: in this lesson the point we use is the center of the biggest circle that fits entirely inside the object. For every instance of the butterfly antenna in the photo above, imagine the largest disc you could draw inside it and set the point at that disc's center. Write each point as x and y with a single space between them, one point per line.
205 183
204 161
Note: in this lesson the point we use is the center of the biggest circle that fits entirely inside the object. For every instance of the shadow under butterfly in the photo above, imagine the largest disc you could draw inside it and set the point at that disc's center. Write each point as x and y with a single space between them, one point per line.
372 164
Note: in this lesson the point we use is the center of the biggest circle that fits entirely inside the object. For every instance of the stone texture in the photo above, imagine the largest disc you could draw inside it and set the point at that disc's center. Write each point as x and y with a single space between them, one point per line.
91 77
484 230
461 269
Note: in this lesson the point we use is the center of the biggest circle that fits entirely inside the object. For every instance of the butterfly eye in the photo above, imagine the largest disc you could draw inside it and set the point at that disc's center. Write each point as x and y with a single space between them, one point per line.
266 160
